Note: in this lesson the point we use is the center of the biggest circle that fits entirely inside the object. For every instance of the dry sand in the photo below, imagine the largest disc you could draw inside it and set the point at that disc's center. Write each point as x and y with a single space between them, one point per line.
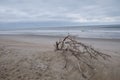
33 58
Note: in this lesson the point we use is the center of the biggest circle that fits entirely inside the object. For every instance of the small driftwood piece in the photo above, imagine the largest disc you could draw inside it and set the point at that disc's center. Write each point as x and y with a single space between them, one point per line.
83 53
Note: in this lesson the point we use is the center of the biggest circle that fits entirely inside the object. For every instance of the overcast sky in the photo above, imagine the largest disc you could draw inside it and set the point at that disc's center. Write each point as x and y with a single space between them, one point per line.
70 11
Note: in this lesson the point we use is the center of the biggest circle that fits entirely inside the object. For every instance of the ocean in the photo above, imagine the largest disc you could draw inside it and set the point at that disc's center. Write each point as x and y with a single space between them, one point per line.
101 31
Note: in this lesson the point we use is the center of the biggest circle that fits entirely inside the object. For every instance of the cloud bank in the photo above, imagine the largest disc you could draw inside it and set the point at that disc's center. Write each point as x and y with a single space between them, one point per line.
74 11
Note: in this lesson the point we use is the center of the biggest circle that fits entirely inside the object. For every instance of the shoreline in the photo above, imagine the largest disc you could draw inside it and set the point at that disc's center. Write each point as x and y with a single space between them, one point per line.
58 36
106 44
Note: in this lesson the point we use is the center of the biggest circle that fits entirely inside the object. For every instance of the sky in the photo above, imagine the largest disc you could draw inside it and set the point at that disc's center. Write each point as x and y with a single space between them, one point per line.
60 12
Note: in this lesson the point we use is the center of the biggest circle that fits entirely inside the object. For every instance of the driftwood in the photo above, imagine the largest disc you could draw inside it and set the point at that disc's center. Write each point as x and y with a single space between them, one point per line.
83 53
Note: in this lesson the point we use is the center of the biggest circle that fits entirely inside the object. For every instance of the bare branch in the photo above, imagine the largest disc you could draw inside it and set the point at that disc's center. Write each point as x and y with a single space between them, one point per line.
83 53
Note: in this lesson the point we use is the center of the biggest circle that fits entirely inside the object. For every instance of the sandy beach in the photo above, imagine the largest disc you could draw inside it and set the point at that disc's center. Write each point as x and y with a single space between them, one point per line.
29 57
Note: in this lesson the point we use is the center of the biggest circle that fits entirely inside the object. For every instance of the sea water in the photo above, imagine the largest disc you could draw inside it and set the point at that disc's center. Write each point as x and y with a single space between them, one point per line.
109 32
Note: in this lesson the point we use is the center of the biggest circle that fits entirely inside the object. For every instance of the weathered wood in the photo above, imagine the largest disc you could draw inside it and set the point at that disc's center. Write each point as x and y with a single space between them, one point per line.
80 51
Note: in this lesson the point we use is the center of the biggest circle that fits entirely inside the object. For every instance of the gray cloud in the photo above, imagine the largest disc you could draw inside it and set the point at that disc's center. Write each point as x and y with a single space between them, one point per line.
80 11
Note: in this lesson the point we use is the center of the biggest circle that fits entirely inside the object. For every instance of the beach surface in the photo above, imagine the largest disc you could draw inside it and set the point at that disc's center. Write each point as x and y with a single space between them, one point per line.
30 57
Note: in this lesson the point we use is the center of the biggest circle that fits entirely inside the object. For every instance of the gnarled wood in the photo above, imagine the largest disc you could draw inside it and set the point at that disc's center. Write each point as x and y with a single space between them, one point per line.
81 52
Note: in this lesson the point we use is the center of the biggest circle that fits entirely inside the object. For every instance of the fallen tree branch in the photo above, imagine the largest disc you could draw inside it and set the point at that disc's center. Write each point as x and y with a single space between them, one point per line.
83 53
